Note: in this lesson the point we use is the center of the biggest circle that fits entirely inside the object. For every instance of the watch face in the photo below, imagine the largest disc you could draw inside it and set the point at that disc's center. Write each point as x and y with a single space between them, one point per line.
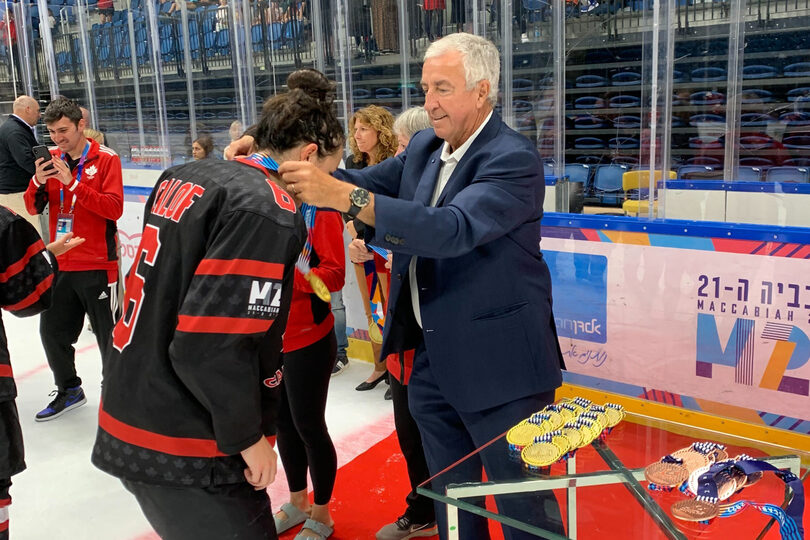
360 197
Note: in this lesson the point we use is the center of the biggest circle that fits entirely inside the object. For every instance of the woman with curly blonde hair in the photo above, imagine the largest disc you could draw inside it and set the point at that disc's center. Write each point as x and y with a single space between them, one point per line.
372 140
371 137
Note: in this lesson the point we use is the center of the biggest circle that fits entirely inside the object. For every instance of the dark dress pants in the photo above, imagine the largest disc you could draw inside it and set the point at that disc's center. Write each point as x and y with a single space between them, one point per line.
449 435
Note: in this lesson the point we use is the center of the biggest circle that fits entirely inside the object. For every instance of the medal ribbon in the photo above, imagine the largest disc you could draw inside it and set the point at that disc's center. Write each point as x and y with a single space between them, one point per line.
790 518
79 171
375 296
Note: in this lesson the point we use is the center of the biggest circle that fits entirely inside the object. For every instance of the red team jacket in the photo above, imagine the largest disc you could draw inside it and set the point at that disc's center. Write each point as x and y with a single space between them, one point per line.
99 203
192 377
310 317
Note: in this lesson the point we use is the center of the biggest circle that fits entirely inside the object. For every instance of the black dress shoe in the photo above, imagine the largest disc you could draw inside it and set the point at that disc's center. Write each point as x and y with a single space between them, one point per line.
365 385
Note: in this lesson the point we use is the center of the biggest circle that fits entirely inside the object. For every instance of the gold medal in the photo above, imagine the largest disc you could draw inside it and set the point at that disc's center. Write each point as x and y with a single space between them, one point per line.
615 414
555 419
666 474
523 434
374 333
695 510
320 289
541 454
573 435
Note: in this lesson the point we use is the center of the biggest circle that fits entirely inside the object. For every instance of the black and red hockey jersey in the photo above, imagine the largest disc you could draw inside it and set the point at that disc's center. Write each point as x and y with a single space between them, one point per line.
26 275
192 377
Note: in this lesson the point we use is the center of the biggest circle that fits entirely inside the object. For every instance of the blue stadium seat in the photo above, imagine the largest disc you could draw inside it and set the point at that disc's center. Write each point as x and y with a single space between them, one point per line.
589 102
628 121
755 142
588 121
588 143
788 174
704 160
799 94
623 143
361 93
706 143
678 76
686 170
759 71
607 183
756 161
755 95
797 142
385 93
630 161
706 119
755 119
522 85
799 69
622 101
707 97
590 81
795 118
708 74
589 160
626 78
578 172
797 162
748 174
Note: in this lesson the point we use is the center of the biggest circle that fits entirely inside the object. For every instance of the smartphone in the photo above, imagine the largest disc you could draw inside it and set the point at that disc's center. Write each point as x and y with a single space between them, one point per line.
42 151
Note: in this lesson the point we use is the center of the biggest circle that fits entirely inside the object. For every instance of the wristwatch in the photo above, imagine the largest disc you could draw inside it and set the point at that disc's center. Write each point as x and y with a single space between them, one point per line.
359 199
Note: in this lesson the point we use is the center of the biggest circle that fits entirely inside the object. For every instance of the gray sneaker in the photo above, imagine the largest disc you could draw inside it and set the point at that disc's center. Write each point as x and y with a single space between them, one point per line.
341 364
402 529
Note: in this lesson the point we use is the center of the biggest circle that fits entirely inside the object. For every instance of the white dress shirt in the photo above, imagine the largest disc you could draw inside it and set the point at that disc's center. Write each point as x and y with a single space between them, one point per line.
449 163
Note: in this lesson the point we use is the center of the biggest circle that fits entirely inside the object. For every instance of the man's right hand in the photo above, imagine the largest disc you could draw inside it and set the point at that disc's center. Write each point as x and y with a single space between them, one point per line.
239 147
44 170
64 244
261 464
358 252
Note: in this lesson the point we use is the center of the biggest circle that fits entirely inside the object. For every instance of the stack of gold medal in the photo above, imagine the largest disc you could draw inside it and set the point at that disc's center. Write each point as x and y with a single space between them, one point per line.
683 468
560 429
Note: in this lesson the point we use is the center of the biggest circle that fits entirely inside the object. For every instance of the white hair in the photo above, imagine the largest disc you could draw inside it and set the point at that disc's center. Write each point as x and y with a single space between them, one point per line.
479 57
410 121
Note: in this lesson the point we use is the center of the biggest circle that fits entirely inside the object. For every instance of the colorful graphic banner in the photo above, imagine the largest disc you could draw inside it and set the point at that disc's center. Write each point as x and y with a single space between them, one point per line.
711 324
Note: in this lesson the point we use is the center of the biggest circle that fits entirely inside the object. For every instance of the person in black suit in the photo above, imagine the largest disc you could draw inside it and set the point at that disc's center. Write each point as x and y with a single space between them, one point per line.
460 209
17 138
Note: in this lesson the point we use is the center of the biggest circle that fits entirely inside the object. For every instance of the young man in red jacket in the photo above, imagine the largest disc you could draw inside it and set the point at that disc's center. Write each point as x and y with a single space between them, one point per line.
82 187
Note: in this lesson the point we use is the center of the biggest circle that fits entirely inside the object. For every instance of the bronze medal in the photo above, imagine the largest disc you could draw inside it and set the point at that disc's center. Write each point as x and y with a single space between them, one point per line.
666 474
694 510
691 460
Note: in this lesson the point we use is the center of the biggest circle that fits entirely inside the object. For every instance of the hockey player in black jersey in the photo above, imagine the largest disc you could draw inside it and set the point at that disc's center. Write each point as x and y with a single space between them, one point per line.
26 276
191 383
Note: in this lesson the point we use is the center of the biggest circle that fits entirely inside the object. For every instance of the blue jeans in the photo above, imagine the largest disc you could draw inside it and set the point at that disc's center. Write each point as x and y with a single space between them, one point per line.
339 312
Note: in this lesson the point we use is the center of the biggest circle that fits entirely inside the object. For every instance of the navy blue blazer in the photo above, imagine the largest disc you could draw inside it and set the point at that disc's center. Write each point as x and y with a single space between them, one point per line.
484 288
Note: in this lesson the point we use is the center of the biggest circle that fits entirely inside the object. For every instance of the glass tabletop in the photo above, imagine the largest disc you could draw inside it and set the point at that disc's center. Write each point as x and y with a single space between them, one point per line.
602 488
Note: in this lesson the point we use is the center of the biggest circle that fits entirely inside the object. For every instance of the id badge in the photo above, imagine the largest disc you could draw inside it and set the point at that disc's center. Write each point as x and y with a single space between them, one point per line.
64 225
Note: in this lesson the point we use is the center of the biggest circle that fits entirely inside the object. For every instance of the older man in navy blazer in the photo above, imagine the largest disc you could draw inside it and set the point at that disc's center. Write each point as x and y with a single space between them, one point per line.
461 210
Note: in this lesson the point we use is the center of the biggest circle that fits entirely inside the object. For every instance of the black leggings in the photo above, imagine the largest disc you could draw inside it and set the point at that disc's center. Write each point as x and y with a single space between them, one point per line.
303 439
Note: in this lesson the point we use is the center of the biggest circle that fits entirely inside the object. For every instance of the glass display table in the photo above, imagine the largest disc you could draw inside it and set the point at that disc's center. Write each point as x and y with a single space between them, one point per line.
602 492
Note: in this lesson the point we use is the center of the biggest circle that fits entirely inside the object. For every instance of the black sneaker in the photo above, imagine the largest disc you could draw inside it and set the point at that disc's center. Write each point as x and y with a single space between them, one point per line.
341 364
71 398
402 529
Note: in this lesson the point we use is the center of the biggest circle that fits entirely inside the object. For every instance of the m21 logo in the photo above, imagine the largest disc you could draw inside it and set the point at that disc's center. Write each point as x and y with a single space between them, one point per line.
789 352
579 288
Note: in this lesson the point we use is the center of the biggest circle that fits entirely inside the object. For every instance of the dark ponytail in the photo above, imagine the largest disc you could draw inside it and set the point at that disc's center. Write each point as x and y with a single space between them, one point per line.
305 114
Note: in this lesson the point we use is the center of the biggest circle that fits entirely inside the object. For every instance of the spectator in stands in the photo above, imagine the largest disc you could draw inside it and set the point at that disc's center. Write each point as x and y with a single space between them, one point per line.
83 189
222 15
17 138
372 140
8 42
105 11
432 30
202 147
25 290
